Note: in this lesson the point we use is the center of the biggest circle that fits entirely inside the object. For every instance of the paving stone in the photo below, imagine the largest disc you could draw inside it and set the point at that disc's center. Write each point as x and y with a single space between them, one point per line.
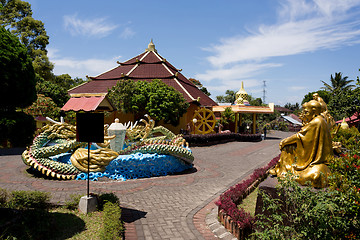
171 202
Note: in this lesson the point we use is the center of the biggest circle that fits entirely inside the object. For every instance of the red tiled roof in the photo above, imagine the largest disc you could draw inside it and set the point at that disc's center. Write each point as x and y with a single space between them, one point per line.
283 109
146 67
83 103
295 117
354 118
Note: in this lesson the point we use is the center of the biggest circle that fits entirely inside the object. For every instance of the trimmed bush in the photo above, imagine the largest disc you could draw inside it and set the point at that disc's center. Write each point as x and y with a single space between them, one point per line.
112 225
29 200
107 197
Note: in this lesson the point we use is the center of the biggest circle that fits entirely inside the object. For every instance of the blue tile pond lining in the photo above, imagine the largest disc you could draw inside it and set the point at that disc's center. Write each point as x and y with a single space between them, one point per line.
133 166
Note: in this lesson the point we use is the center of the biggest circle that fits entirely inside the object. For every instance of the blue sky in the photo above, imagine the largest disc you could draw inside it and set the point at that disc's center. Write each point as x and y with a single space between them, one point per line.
290 44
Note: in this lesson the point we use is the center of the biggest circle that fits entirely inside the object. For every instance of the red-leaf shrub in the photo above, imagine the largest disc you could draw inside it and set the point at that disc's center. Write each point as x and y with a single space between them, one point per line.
229 200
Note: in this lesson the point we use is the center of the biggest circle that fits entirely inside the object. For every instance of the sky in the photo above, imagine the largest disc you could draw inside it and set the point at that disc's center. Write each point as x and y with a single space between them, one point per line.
282 47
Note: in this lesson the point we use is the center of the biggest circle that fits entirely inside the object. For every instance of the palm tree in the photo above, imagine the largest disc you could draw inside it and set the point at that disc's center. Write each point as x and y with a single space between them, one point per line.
338 83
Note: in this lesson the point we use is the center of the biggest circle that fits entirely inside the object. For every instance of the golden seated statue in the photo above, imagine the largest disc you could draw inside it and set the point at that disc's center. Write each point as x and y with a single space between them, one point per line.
305 153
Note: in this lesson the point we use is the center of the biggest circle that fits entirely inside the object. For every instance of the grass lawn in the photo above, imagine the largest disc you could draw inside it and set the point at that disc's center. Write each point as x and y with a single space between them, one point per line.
249 203
57 223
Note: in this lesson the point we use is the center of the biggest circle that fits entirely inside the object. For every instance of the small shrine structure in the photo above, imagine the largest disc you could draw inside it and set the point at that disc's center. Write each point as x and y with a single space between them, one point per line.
146 66
242 106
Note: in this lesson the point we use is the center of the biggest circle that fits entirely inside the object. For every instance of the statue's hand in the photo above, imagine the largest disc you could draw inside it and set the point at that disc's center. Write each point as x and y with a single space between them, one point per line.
281 145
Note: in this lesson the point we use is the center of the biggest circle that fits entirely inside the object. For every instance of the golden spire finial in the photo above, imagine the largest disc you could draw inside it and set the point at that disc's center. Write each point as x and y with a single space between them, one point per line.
241 95
151 47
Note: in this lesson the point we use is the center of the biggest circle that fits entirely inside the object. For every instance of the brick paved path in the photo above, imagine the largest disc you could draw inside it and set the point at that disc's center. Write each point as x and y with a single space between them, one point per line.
170 207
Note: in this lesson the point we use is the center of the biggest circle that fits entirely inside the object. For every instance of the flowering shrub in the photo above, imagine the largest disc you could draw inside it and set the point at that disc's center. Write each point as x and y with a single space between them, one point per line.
43 106
210 139
229 200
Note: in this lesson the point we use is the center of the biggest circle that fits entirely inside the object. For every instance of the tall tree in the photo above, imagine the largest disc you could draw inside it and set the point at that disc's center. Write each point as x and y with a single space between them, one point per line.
325 95
154 98
50 89
16 15
199 85
230 97
345 103
65 81
17 89
17 77
338 83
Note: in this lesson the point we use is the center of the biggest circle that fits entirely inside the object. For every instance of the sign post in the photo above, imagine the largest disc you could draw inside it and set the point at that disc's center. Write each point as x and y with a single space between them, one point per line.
89 128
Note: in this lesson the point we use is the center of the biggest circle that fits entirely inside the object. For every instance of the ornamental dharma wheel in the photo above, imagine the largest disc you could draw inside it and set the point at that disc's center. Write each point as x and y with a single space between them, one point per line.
204 121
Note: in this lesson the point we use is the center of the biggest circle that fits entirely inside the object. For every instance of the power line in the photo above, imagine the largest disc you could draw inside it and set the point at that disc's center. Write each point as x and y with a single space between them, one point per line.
264 91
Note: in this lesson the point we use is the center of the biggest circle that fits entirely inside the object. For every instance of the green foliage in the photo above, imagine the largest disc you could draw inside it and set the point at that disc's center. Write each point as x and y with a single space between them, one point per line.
29 200
73 203
344 103
107 197
349 138
154 98
204 90
65 81
52 90
302 213
3 197
255 101
305 213
345 177
17 85
279 125
112 225
325 95
17 16
230 97
227 116
16 127
338 83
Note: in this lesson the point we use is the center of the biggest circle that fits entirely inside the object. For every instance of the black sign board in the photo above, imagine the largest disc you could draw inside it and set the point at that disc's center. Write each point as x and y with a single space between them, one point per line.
90 127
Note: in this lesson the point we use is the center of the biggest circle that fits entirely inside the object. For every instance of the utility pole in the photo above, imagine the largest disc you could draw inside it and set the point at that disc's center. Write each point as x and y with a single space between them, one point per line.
264 91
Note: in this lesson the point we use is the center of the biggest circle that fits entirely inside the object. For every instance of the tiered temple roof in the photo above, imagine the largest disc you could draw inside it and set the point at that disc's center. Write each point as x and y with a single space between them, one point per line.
145 67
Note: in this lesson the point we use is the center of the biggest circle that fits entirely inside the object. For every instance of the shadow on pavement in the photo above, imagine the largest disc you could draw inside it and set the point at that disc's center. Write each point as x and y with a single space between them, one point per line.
129 215
272 138
11 151
187 171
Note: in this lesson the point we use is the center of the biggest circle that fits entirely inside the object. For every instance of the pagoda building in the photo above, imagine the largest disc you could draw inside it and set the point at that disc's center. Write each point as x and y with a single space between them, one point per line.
242 106
149 65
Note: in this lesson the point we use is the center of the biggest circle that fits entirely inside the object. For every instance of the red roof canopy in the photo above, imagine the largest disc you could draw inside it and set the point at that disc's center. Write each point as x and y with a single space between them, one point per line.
146 67
86 104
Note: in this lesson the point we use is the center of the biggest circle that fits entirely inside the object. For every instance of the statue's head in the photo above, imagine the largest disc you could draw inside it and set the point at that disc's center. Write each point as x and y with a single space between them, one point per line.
315 96
310 110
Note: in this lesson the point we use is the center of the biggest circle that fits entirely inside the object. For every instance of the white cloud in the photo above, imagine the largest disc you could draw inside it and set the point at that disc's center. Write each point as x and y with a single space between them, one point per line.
127 33
236 72
297 88
282 40
78 67
302 27
88 27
